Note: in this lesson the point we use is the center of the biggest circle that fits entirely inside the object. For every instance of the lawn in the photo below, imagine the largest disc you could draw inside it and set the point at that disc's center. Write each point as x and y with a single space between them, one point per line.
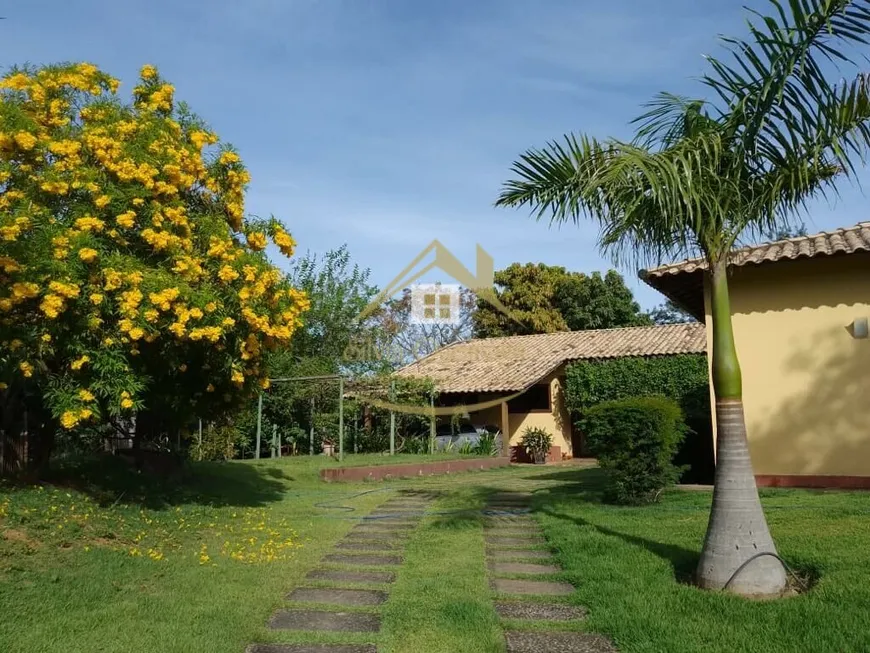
120 564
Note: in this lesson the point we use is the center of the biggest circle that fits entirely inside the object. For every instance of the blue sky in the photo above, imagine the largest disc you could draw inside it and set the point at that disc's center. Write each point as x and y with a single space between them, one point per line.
386 123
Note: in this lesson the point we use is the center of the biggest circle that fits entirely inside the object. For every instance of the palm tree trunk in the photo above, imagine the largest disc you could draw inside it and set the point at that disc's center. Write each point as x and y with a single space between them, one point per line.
737 529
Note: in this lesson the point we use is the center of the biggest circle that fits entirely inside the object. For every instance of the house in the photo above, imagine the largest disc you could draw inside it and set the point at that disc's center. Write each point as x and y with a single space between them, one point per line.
529 372
800 309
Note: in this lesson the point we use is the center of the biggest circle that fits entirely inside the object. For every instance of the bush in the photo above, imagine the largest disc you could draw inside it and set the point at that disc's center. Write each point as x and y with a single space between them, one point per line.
635 441
488 445
537 442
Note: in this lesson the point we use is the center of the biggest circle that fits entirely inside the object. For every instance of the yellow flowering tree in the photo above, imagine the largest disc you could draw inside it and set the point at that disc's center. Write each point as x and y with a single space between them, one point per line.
131 282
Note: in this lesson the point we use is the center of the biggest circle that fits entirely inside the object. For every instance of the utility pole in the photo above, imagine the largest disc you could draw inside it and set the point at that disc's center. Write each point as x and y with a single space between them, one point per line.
259 424
392 418
341 419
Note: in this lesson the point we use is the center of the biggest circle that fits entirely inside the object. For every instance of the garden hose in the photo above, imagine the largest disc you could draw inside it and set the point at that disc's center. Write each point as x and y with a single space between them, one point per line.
759 555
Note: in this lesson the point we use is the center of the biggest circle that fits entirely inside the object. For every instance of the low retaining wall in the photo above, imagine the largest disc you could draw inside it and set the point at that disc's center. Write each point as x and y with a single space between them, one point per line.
379 472
821 482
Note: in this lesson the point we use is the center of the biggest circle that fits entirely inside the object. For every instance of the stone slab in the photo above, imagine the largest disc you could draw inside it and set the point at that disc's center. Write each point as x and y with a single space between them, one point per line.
312 648
539 611
334 596
557 643
318 620
531 587
523 568
363 560
386 536
366 546
501 540
342 576
382 525
519 554
403 517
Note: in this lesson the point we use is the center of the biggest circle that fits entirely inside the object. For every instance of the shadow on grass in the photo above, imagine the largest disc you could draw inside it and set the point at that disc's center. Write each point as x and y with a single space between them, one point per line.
108 480
682 561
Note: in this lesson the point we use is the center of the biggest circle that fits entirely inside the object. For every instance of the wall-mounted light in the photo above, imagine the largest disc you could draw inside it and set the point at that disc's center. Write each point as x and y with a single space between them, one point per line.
859 328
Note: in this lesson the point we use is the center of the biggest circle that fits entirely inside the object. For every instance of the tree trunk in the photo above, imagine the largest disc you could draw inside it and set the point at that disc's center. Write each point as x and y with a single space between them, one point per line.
737 529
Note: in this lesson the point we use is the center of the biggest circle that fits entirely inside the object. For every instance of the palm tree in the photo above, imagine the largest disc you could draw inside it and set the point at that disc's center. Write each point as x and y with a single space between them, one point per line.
699 175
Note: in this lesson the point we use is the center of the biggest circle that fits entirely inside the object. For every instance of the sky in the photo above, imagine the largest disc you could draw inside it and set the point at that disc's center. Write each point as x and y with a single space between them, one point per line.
385 124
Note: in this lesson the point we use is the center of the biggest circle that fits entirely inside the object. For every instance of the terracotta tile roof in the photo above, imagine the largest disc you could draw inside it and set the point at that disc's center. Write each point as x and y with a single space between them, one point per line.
683 281
516 362
847 240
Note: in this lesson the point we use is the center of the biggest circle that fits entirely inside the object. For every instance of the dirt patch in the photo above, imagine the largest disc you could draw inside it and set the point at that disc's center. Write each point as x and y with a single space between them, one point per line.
15 535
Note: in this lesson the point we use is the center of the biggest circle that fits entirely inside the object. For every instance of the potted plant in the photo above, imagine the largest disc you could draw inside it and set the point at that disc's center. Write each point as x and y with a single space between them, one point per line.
328 447
537 442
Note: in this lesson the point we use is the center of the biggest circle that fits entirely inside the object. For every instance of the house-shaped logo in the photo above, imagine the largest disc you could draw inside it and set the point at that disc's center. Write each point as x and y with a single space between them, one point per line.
481 283
435 303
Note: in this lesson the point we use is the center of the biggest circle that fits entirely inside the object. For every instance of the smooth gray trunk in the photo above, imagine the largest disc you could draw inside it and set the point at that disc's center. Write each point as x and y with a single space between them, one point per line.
737 529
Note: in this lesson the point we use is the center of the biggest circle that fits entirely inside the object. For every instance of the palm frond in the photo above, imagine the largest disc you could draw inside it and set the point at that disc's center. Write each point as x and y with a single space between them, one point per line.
774 91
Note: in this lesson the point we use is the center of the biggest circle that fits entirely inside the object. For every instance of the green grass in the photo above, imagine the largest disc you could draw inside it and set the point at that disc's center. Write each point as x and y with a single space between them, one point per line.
69 582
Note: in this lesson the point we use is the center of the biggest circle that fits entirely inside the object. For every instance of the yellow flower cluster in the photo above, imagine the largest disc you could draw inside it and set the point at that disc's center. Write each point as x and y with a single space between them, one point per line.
172 267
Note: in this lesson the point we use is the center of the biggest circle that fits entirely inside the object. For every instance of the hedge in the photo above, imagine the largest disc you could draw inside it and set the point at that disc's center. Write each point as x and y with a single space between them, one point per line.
635 441
683 378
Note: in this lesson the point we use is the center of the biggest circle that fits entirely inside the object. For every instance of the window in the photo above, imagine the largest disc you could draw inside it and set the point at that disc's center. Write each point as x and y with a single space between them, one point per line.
535 399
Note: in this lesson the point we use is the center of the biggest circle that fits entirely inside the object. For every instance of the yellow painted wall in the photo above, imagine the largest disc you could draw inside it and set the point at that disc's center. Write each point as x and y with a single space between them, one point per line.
557 421
806 380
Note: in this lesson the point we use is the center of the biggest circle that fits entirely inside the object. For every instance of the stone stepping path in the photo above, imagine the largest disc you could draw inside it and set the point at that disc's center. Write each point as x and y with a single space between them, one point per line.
539 611
321 620
363 560
523 568
531 587
344 597
514 541
519 554
514 547
312 648
385 536
343 576
523 642
366 546
374 542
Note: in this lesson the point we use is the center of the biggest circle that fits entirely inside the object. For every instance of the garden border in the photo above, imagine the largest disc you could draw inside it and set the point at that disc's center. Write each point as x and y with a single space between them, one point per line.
380 472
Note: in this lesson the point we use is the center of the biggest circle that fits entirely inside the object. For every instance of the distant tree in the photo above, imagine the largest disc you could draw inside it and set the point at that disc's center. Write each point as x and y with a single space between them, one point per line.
670 313
402 341
543 299
596 302
787 231
528 292
338 290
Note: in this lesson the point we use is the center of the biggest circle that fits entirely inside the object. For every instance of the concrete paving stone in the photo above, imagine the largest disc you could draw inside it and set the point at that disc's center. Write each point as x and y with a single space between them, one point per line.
518 642
523 568
384 524
392 517
337 596
342 576
500 540
520 554
312 648
372 545
363 560
539 611
318 620
371 536
531 587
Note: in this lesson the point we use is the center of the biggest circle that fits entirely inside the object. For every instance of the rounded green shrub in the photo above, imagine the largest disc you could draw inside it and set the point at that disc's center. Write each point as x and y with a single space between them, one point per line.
635 441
